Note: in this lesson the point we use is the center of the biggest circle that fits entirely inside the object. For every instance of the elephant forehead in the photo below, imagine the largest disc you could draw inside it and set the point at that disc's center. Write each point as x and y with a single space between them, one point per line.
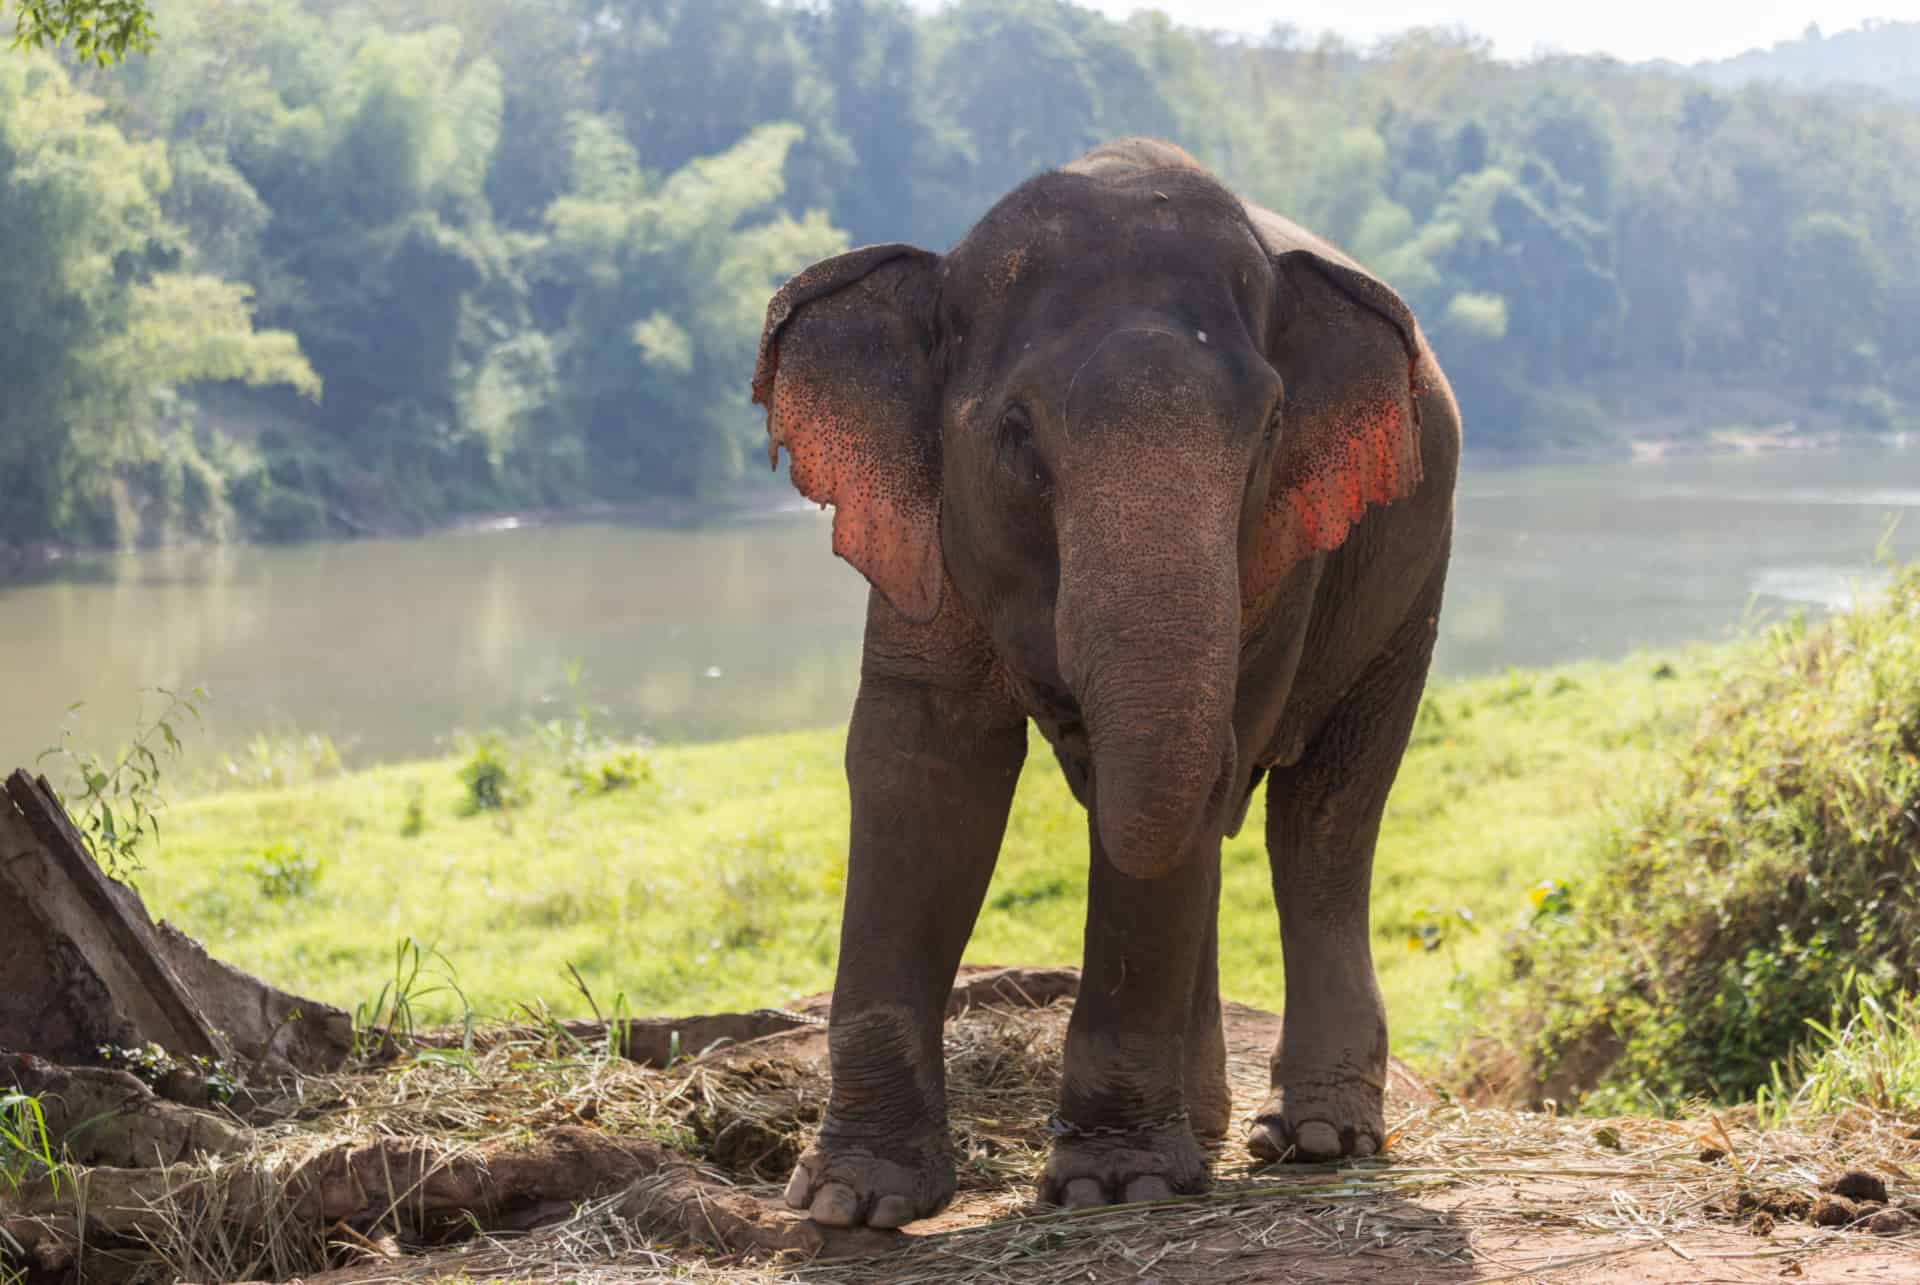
1138 373
1063 231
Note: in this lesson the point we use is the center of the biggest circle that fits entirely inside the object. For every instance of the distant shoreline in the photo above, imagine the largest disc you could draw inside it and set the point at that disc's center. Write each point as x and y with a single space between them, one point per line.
748 503
1727 441
754 502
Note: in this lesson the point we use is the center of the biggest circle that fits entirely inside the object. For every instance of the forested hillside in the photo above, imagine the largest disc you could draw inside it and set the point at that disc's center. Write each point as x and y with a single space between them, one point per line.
1877 55
320 267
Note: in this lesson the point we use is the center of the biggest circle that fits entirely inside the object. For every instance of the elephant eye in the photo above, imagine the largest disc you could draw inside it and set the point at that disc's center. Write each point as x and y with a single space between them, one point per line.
1018 457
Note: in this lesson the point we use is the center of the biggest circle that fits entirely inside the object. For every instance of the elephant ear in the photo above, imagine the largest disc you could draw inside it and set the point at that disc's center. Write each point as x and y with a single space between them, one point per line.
846 374
1347 350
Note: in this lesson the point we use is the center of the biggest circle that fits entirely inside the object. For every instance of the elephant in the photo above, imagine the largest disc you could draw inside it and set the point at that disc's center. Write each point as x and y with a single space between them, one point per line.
1168 476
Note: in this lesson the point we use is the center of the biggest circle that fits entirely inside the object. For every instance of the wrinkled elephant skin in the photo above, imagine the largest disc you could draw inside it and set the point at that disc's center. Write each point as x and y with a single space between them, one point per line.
1173 479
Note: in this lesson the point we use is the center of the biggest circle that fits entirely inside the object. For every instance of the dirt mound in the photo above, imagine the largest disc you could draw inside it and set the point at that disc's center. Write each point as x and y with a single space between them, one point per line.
588 1152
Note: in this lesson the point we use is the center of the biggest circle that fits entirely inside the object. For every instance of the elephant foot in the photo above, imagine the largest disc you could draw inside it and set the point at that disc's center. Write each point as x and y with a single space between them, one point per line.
1329 1122
844 1185
1088 1169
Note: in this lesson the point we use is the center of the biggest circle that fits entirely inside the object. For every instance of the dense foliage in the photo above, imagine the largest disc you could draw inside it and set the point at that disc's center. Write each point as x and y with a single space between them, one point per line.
361 264
1771 884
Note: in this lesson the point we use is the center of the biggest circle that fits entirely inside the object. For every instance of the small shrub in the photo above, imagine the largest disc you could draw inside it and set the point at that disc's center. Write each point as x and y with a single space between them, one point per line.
414 822
567 745
116 803
1432 927
1517 690
276 760
492 776
151 1064
614 770
286 871
1552 900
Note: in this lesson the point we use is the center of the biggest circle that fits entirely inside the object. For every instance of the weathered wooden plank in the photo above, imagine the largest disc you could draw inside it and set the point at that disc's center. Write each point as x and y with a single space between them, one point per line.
82 964
105 977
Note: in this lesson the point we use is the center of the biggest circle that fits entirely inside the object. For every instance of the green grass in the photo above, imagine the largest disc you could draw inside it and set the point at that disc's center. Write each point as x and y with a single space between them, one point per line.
1871 1061
711 875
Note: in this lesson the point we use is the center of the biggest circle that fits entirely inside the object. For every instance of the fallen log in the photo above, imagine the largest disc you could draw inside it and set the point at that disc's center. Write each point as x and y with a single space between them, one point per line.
428 1189
418 1190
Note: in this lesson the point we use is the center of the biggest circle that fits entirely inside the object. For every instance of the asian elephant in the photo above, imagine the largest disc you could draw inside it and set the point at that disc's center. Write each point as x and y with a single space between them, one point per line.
1173 478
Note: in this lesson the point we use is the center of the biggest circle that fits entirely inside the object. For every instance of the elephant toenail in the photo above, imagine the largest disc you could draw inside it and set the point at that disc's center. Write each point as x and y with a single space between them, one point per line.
891 1211
1363 1146
1318 1138
1148 1187
1083 1193
835 1206
1267 1142
799 1188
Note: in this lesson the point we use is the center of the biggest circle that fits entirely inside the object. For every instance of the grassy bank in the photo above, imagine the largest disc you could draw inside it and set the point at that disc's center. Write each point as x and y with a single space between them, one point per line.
1767 890
713 877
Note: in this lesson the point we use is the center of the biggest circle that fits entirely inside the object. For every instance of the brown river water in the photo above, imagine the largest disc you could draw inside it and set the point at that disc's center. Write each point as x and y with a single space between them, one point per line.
389 646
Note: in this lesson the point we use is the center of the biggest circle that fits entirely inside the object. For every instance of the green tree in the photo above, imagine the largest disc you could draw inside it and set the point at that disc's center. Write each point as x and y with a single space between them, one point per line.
98 327
664 290
1834 285
102 31
869 51
1029 90
690 78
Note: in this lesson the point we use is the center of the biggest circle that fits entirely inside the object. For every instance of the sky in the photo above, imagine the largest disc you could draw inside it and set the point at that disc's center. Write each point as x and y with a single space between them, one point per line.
1682 30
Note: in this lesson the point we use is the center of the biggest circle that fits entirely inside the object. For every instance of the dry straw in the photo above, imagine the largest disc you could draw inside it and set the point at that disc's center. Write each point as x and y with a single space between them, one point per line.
1468 1194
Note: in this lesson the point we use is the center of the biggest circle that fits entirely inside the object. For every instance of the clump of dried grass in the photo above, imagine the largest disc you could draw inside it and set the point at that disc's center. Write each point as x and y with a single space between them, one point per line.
1003 1079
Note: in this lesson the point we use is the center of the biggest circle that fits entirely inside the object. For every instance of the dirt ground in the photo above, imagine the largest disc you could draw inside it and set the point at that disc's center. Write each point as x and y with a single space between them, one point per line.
688 1161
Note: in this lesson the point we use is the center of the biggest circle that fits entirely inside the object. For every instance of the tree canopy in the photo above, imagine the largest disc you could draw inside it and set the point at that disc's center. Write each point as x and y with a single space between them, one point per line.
363 264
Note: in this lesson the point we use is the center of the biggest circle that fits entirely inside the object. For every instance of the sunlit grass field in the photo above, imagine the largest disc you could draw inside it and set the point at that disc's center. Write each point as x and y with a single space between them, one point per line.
713 879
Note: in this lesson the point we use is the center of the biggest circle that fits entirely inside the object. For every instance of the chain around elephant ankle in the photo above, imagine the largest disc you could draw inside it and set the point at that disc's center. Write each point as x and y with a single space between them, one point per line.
1062 1128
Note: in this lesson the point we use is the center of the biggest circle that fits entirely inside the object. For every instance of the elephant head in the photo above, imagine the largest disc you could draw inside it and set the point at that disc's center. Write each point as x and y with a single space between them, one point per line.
1110 423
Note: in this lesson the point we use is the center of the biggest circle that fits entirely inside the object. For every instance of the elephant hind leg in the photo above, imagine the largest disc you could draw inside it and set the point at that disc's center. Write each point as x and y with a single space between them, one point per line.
1323 819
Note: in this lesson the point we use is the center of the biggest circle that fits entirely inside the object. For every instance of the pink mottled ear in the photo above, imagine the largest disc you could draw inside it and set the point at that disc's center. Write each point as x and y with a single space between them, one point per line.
846 374
1348 352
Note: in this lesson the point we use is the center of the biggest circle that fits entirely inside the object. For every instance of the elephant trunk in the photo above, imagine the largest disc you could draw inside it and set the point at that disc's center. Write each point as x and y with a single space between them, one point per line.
1148 621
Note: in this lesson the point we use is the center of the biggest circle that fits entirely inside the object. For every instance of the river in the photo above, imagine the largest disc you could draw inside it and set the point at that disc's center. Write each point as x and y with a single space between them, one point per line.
389 646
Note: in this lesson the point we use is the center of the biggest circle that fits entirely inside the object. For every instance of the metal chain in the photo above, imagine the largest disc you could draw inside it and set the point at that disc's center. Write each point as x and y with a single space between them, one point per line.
805 1019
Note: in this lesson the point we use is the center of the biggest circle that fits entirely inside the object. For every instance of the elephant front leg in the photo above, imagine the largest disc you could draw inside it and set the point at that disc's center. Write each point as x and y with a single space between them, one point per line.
1122 1133
1209 1095
1323 819
931 785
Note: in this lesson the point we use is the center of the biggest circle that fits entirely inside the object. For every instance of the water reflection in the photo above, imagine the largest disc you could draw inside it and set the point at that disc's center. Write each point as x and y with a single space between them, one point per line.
391 645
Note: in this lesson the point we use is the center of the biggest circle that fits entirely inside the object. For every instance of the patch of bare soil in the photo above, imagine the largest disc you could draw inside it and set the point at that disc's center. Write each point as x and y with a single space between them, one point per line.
658 1149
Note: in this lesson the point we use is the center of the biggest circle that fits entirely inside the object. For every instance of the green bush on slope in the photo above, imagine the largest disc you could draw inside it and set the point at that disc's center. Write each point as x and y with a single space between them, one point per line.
1770 883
